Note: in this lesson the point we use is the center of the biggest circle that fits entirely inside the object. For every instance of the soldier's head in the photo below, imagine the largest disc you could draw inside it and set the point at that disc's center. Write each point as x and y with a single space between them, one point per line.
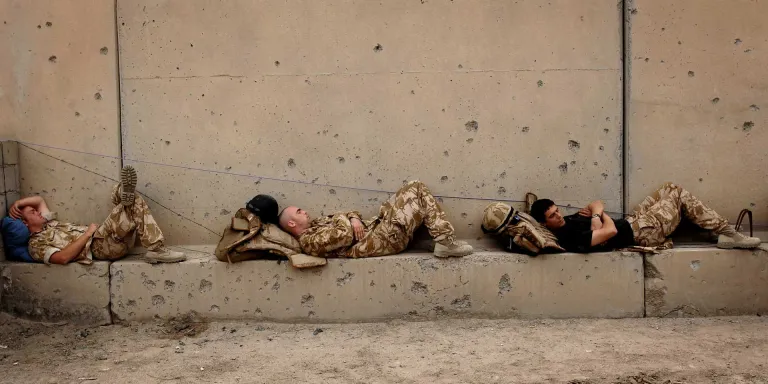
294 220
33 219
546 212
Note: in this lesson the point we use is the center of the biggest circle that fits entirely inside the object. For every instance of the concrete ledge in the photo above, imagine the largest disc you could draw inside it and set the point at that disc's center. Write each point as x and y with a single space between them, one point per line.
75 293
706 282
487 284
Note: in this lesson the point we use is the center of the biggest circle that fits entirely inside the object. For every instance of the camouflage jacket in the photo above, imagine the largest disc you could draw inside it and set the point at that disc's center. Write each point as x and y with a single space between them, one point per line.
54 237
330 236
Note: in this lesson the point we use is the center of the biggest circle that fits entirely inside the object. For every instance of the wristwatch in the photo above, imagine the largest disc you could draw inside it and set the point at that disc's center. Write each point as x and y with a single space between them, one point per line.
595 215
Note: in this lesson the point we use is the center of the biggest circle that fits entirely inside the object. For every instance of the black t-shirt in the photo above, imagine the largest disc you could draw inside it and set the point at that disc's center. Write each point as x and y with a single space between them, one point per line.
576 235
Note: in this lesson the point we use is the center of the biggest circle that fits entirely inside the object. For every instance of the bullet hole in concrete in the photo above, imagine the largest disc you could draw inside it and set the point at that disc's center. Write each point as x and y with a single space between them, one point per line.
461 66
215 308
737 41
747 126
715 100
700 179
633 11
332 191
205 286
604 175
752 204
378 48
372 283
307 299
341 160
503 175
444 179
647 59
413 92
276 286
595 163
277 63
48 24
470 140
172 193
462 303
504 284
501 190
573 145
191 45
445 153
307 81
563 167
158 300
526 129
224 212
379 181
540 83
464 215
691 74
167 142
748 51
601 148
77 113
39 26
147 185
573 162
754 107
104 50
169 285
97 96
679 42
419 288
345 279
471 126
52 59
695 265
291 163
443 109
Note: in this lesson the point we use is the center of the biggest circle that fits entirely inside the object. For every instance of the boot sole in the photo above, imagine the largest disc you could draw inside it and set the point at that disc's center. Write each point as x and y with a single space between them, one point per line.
446 255
732 245
128 182
155 261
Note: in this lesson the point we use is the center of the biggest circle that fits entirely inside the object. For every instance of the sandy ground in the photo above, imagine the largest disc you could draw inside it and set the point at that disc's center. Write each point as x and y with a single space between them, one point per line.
715 350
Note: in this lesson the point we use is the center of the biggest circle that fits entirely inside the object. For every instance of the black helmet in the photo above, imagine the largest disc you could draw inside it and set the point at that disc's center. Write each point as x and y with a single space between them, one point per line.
265 207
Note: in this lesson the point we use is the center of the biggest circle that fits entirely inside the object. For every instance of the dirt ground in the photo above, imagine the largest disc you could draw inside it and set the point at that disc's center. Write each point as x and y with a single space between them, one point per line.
714 350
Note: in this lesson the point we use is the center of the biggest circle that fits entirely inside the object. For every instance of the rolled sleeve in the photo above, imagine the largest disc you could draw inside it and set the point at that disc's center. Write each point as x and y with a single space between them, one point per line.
49 251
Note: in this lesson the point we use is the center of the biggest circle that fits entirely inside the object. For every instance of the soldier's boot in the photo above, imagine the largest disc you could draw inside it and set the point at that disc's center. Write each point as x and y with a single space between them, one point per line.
453 248
127 186
728 238
164 255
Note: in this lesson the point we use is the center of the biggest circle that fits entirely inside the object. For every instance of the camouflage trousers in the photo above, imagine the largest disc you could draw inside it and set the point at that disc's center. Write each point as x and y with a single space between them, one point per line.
116 235
654 220
399 218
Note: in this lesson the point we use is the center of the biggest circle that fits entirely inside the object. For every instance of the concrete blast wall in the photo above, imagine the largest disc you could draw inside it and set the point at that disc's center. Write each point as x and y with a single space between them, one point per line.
481 98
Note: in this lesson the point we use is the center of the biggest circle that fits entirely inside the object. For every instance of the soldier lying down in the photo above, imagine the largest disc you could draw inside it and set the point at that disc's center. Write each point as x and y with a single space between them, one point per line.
347 235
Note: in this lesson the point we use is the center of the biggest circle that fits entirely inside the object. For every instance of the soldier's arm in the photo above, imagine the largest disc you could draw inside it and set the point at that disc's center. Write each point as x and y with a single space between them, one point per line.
73 249
338 235
605 233
354 215
36 202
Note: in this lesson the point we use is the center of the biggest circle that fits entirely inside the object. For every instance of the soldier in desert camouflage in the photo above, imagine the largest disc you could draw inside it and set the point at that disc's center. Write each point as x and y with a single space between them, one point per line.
650 225
53 242
347 235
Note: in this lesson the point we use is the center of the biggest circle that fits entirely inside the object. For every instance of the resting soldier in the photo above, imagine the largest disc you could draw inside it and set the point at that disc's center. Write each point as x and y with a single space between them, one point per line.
347 235
650 225
53 242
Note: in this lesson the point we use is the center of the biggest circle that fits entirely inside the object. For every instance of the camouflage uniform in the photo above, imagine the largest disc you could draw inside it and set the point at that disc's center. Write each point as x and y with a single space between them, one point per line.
660 213
388 233
54 237
111 240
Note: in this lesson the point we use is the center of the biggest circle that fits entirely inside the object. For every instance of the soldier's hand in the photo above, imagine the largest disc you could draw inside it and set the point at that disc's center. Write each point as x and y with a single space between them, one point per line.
358 228
586 212
15 211
92 229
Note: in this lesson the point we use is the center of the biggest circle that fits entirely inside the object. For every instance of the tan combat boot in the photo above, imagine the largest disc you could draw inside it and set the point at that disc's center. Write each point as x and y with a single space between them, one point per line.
455 248
127 186
729 238
164 255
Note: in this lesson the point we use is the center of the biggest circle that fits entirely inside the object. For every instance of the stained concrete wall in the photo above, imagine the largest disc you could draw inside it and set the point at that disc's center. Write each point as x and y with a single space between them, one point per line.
698 105
482 98
58 87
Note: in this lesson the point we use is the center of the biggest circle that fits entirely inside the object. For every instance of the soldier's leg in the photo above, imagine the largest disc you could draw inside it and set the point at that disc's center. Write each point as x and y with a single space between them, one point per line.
660 214
414 205
385 238
110 242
